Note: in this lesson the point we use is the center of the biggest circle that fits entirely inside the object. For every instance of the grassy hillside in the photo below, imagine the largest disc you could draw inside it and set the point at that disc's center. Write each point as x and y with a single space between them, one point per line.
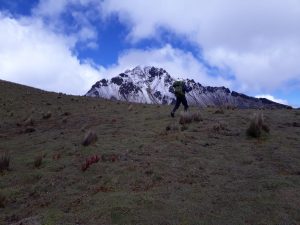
206 172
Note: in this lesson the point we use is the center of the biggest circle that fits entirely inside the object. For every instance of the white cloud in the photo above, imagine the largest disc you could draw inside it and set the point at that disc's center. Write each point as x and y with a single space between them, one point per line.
258 40
175 61
33 55
80 12
272 98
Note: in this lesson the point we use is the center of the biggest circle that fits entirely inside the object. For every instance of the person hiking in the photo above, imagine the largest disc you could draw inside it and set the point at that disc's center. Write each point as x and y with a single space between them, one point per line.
179 91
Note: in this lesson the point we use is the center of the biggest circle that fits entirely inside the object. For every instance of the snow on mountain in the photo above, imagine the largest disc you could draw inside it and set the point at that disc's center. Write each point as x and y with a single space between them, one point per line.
154 86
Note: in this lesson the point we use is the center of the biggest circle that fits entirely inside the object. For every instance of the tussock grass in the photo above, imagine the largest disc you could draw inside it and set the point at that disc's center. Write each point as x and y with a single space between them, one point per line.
29 122
257 126
47 115
130 107
38 160
185 118
4 162
89 138
218 127
2 200
188 117
197 117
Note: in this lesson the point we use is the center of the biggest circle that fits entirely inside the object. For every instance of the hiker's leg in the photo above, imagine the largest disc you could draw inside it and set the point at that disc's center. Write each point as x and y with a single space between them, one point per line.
185 104
177 104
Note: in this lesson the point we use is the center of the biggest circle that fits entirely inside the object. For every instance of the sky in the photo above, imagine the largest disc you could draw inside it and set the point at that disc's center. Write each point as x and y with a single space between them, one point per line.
249 46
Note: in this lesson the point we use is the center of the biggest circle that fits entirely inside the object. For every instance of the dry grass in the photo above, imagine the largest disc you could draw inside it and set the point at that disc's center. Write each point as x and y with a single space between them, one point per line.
172 127
29 122
188 117
219 111
185 117
47 115
4 162
2 200
89 138
197 117
130 107
257 126
38 160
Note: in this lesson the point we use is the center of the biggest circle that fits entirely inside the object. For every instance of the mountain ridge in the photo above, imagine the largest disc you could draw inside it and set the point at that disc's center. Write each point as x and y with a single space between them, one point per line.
154 86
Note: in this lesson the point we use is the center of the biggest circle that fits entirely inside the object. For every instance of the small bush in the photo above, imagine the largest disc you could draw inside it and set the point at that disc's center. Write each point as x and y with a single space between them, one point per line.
89 138
38 161
185 118
257 126
4 162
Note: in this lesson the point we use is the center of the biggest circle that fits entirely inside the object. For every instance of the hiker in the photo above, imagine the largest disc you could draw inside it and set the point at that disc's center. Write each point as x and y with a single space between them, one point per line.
179 91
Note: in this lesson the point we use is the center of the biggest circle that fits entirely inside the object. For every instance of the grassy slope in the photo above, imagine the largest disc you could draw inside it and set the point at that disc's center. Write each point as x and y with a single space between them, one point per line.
197 176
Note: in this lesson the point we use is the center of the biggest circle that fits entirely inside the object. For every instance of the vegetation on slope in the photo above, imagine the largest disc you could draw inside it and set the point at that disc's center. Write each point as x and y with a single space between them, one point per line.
144 167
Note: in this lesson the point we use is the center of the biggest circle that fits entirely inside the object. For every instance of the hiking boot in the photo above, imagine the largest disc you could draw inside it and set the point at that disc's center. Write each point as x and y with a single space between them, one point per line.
172 114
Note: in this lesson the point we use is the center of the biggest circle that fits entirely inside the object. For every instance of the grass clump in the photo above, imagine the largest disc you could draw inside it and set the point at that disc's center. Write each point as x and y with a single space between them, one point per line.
185 118
47 115
257 126
197 117
4 162
172 127
89 138
38 160
2 200
130 107
219 111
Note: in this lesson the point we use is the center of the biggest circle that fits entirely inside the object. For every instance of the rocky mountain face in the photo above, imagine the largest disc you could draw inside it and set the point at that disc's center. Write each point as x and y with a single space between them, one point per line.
154 86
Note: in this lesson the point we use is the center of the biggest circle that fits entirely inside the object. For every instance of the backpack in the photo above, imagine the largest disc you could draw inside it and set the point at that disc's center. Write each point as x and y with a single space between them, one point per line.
178 88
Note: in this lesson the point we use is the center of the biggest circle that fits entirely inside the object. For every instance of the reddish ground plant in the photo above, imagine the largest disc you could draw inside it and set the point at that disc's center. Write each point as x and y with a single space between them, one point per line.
89 161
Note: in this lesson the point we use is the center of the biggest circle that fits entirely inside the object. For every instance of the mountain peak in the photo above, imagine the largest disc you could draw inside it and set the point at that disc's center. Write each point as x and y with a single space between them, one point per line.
153 85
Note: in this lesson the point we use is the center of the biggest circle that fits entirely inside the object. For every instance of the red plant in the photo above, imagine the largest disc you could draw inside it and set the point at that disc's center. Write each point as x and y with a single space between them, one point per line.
89 161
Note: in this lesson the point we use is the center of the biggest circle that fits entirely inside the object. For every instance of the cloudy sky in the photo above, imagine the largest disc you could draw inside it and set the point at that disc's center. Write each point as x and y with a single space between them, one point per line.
250 46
